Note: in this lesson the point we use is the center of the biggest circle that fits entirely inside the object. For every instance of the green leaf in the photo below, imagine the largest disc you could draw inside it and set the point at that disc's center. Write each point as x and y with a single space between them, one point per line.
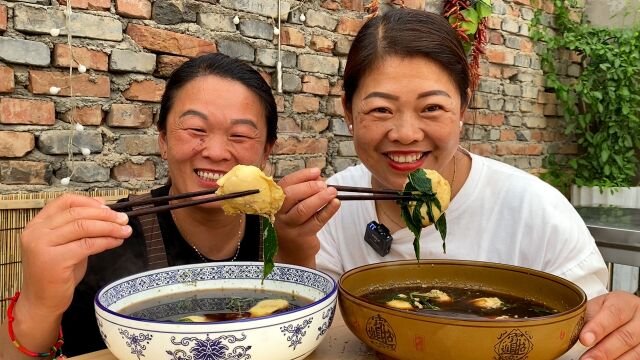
270 246
441 226
483 8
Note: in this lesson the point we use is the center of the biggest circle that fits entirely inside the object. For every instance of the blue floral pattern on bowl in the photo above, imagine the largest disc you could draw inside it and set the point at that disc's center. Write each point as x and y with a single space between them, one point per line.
288 335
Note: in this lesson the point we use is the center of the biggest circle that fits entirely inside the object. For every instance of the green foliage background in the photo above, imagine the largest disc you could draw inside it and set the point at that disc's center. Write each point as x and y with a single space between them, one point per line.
602 108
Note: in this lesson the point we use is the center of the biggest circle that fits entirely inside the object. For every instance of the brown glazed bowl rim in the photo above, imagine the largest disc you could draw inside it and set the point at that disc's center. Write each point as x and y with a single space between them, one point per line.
542 320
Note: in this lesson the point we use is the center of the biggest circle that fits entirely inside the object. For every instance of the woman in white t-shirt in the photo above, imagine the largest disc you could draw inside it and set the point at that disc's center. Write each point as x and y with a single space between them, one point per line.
406 89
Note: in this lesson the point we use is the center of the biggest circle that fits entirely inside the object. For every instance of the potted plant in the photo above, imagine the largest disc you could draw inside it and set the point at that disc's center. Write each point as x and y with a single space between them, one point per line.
601 109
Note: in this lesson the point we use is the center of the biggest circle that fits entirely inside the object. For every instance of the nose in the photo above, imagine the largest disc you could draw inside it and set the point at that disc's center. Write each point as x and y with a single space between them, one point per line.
406 129
215 148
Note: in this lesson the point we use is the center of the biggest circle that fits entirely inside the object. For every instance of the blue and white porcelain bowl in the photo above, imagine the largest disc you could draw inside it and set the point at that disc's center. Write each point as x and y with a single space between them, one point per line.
292 334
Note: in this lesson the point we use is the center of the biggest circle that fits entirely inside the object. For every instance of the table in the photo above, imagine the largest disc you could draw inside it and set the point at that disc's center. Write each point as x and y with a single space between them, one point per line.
339 343
616 232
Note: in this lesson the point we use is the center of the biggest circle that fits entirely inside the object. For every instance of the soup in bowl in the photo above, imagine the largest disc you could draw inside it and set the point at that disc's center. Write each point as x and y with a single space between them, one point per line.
217 311
451 309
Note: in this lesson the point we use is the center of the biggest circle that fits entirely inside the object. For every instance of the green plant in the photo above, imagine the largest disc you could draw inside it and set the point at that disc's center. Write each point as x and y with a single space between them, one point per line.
602 106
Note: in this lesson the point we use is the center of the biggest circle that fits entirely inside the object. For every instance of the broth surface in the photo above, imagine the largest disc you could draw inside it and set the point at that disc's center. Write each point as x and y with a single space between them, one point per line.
458 302
215 305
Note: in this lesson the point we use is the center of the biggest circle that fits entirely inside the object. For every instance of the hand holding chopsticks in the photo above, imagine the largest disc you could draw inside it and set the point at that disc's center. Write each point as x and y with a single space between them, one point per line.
374 194
154 209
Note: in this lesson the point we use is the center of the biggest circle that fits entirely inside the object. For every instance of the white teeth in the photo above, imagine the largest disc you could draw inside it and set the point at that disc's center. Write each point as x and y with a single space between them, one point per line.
405 158
209 175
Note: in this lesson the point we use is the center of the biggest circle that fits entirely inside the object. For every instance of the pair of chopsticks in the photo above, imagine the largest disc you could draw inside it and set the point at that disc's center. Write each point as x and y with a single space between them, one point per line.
374 194
160 199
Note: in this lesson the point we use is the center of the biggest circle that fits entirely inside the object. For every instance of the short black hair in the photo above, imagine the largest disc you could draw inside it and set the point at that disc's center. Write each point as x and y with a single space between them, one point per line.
228 68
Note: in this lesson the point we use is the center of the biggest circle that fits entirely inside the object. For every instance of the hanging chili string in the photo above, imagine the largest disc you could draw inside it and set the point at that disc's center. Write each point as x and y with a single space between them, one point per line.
452 10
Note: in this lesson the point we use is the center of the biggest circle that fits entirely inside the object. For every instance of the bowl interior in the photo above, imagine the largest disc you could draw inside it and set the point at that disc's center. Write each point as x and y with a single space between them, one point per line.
553 291
179 290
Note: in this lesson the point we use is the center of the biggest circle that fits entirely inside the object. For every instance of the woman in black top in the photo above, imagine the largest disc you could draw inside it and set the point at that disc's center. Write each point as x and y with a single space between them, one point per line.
215 113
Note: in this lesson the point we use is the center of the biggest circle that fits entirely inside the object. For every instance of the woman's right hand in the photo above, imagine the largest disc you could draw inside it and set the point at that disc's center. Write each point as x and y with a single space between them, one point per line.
56 244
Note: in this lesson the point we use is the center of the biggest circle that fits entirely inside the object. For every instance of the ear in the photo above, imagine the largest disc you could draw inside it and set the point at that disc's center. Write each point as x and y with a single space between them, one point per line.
348 116
162 144
265 156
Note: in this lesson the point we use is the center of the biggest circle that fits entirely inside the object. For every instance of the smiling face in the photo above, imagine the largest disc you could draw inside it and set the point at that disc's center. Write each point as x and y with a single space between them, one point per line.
213 125
405 115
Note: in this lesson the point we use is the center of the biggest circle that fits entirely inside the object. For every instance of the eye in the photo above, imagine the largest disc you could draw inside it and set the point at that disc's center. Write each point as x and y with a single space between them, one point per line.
381 110
196 130
432 108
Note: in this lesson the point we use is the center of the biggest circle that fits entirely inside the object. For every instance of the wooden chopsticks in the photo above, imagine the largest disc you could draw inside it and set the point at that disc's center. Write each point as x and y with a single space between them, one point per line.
374 194
155 209
371 194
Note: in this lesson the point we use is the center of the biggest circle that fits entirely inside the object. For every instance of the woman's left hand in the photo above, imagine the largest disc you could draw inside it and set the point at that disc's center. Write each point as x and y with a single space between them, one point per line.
613 327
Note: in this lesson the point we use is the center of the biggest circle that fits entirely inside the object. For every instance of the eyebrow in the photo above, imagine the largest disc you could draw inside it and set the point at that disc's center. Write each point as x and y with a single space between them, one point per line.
434 93
421 95
233 121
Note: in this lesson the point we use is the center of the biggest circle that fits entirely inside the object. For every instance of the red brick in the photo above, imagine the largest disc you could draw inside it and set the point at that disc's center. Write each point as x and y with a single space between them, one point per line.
16 144
305 104
314 85
536 135
496 38
474 117
83 84
349 26
511 149
89 4
534 149
279 103
508 72
86 115
331 5
146 90
482 149
24 172
26 111
130 116
549 110
495 71
499 56
315 125
290 146
356 5
321 44
507 135
494 22
316 162
130 171
138 9
167 64
168 41
3 18
548 6
7 79
513 11
92 59
337 89
287 124
414 4
526 45
292 37
334 106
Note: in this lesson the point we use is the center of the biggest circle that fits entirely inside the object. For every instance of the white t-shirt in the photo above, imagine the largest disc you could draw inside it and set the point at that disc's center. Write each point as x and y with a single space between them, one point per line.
501 214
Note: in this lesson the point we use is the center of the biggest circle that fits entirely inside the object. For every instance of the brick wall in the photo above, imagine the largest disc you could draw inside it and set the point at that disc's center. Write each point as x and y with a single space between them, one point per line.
130 48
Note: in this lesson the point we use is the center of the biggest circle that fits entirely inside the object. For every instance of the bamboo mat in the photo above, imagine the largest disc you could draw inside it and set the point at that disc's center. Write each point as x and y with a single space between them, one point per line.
15 212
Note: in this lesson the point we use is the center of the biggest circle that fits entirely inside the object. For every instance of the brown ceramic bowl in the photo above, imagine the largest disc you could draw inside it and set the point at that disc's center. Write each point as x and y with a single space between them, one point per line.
400 334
